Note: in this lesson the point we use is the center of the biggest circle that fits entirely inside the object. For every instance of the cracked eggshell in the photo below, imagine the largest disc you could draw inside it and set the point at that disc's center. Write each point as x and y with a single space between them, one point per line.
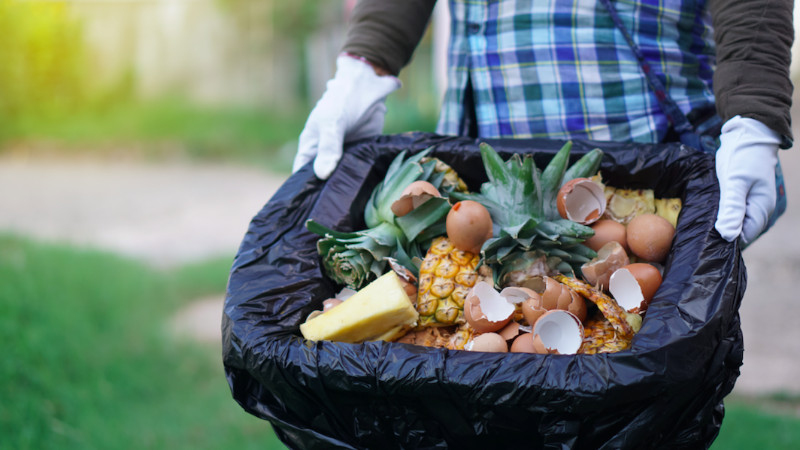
560 332
532 309
489 342
577 306
551 293
610 257
605 231
486 310
634 285
581 200
468 226
412 196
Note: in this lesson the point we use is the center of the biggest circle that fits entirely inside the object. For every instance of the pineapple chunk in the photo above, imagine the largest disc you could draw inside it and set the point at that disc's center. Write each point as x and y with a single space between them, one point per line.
380 311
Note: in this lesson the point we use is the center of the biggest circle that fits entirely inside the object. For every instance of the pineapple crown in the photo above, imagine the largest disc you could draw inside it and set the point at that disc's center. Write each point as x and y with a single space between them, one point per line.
522 202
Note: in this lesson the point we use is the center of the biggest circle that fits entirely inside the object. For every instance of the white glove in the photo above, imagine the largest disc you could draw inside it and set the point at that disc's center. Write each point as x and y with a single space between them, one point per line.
351 108
746 160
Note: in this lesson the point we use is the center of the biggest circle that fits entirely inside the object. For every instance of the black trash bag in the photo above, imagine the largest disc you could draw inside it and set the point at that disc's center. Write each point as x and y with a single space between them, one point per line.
666 391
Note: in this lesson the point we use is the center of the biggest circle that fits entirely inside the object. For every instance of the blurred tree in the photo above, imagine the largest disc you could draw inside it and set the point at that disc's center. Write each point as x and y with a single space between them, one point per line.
42 59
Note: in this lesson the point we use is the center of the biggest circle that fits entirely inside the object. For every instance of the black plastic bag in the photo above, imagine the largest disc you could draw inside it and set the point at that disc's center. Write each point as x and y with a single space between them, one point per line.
665 391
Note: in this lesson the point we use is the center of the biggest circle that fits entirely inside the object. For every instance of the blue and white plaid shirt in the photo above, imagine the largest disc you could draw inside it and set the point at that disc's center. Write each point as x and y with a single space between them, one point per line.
561 69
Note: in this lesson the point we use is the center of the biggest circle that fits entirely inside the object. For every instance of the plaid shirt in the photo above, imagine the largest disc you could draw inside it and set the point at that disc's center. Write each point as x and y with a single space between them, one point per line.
559 69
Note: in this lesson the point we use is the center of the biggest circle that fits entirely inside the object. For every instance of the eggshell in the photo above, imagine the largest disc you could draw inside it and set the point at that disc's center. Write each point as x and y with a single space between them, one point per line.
577 306
532 309
489 342
610 257
648 277
634 285
486 310
538 346
523 344
551 293
581 200
606 230
412 196
650 237
468 226
330 303
555 296
560 331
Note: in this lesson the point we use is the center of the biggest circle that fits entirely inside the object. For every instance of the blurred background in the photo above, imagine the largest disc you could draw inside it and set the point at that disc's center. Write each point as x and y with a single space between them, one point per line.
137 139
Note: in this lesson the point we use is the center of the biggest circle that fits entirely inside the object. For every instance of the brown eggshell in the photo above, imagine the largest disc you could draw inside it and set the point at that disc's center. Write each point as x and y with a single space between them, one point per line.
477 318
564 299
552 292
581 200
610 257
468 226
532 309
648 277
560 331
489 342
412 196
538 346
523 344
577 306
606 230
650 237
634 285
330 303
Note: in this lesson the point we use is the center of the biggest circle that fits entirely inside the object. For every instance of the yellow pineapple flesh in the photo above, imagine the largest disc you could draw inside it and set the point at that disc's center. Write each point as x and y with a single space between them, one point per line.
380 311
445 278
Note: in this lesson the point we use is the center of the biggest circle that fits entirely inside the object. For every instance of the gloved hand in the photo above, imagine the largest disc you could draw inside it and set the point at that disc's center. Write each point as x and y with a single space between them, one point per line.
351 108
746 160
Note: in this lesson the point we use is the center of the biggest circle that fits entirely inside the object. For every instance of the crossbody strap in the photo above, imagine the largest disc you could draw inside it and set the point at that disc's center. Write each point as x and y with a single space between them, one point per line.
674 114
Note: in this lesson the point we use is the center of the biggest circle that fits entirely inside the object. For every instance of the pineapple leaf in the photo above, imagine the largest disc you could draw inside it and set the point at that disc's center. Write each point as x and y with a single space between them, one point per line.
493 163
551 180
586 166
400 174
554 172
511 195
425 215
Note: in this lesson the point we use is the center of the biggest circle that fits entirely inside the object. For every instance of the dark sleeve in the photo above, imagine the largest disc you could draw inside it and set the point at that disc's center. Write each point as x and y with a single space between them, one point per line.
754 40
386 32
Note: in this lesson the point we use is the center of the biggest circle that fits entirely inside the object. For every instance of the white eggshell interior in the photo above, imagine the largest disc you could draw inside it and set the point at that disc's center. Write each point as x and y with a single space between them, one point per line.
560 330
345 293
586 196
514 294
625 289
494 306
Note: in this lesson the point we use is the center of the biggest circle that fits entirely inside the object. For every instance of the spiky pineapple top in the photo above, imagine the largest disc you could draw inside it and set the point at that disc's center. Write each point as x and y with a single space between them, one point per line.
522 202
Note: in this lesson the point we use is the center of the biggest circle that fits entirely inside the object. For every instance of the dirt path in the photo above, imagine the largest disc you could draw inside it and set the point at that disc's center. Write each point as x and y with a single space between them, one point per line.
171 214
165 214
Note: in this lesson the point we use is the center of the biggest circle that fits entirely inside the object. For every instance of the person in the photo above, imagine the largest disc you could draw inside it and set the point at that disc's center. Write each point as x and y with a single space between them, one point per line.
562 70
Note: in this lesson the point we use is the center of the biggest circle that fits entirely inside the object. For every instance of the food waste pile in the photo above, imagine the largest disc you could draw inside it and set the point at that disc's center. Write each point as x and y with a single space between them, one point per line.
550 260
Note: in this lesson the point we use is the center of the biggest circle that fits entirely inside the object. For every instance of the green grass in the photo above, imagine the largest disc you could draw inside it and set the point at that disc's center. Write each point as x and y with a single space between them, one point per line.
171 129
759 423
164 129
90 362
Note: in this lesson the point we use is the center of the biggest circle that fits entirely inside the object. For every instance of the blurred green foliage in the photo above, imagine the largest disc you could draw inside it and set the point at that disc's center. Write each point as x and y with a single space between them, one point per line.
91 360
43 69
